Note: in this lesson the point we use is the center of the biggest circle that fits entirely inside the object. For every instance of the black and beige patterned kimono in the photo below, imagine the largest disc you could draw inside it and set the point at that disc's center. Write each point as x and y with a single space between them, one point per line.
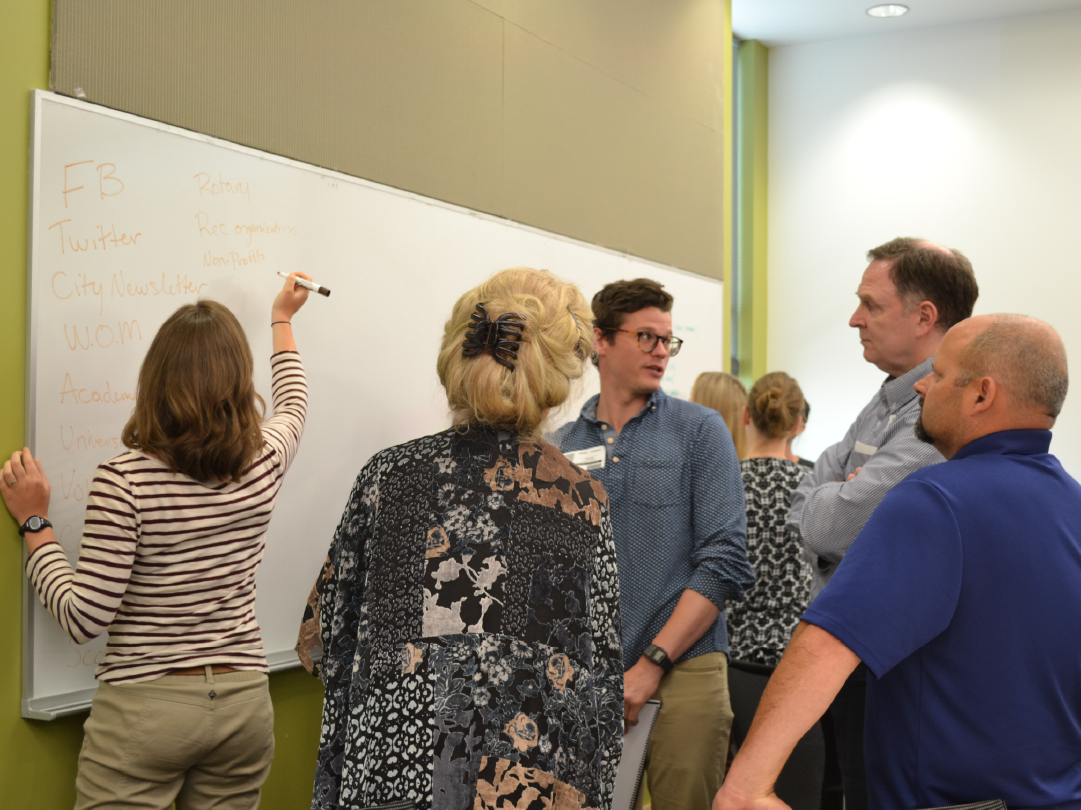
466 627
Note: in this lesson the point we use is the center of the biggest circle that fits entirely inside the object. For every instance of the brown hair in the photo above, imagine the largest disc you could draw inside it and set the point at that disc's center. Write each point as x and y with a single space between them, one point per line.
922 271
195 408
726 395
551 353
619 299
775 403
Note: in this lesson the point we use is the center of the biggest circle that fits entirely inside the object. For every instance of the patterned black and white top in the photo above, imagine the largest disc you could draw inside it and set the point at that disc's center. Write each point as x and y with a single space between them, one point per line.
760 627
466 627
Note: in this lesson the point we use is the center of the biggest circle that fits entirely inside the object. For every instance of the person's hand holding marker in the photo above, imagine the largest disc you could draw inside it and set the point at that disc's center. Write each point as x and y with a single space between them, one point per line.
26 493
291 298
308 284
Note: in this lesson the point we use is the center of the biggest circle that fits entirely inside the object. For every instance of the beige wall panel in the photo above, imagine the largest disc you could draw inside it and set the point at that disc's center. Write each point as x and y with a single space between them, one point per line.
407 93
494 6
598 120
587 156
670 50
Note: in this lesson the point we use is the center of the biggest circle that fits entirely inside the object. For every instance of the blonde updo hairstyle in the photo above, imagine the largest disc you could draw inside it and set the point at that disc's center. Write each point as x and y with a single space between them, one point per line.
551 353
775 404
726 395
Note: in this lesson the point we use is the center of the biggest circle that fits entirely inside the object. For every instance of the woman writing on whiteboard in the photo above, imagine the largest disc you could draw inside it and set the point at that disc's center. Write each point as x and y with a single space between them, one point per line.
466 619
174 531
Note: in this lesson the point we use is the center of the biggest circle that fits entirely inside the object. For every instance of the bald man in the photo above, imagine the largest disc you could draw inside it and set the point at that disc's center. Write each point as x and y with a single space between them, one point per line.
962 595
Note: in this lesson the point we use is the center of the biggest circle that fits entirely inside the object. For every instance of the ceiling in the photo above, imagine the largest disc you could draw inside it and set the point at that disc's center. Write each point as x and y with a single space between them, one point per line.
786 22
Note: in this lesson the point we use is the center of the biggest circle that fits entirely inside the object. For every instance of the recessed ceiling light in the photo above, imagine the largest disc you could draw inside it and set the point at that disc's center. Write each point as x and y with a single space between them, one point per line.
888 10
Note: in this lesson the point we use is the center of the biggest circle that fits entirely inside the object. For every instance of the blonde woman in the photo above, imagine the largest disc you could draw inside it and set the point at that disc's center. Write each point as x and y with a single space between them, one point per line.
726 395
760 626
466 622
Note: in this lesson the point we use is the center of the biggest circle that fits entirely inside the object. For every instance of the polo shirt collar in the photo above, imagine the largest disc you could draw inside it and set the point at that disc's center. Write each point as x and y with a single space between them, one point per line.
1008 442
899 391
589 410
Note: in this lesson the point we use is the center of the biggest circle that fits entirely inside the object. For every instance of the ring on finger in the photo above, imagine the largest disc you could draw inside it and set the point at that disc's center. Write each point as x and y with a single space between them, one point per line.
12 483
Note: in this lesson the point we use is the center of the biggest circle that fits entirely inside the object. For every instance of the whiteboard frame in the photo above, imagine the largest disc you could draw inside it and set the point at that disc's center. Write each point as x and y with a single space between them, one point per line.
53 706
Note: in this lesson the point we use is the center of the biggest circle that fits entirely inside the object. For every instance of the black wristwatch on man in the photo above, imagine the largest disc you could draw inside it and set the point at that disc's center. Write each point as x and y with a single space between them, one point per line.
658 656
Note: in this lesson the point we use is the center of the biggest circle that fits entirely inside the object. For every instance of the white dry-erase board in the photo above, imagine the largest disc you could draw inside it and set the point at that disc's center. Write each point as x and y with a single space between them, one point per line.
131 218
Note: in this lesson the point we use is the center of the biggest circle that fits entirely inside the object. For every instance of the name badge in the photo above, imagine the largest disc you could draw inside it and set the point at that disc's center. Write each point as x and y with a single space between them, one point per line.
865 449
592 458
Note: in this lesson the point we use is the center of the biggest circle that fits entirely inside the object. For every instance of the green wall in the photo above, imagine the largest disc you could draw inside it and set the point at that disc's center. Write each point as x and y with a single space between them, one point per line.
751 188
38 759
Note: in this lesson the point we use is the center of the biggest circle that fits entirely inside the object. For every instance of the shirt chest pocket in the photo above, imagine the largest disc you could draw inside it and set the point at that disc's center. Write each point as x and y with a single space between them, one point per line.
656 483
861 454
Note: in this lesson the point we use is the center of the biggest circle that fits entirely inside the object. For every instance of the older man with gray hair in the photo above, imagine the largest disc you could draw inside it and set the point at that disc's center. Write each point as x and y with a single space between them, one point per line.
962 595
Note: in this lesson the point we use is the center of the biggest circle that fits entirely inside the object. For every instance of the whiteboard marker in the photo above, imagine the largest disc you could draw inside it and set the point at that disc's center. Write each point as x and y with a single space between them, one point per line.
308 285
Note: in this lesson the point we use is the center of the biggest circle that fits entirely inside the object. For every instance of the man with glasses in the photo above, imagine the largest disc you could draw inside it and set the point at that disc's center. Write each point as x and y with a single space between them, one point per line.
676 497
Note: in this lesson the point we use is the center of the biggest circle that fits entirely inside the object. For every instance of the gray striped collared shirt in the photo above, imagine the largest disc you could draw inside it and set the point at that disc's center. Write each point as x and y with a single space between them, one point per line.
827 510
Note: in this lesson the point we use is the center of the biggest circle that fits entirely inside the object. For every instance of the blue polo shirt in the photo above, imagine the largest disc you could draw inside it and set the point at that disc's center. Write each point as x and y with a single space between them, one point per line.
962 594
676 495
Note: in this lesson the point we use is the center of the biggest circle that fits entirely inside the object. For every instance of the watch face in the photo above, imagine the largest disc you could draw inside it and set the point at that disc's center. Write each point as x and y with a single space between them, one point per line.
34 523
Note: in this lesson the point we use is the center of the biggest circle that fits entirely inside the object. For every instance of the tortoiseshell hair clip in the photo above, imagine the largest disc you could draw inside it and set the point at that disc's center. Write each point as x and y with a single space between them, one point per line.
501 336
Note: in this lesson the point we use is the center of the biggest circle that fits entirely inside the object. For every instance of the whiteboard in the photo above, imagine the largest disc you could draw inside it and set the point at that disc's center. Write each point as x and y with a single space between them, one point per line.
131 218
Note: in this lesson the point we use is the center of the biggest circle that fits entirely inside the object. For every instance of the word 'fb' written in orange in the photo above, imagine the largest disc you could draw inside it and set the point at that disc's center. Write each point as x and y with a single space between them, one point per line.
102 335
208 187
109 185
75 244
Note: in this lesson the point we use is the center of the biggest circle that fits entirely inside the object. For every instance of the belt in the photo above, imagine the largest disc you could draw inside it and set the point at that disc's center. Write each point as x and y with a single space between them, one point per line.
217 669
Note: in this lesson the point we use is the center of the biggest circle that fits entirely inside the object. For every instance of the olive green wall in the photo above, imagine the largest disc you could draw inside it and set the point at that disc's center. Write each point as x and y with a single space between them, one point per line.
37 760
614 134
751 187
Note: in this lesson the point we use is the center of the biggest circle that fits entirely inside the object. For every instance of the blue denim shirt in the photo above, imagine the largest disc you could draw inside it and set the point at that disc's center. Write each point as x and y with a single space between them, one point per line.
676 495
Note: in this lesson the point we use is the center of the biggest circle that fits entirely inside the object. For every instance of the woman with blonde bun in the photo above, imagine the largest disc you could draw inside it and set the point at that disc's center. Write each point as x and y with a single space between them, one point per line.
726 395
466 621
760 626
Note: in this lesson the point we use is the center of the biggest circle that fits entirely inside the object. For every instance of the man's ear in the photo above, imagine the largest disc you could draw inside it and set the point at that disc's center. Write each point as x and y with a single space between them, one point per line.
927 317
985 391
599 343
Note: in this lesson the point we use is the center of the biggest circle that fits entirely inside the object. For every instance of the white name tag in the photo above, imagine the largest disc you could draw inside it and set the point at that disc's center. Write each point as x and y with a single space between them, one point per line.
592 458
866 449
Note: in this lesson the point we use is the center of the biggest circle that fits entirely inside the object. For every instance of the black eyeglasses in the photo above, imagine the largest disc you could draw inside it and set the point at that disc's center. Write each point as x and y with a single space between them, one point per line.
647 342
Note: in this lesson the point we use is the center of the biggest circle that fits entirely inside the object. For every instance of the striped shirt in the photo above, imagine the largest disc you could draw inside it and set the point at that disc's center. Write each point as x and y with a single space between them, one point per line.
828 510
166 563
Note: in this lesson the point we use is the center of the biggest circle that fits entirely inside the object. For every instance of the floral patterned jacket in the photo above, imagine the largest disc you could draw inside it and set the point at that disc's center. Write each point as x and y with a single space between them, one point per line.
466 627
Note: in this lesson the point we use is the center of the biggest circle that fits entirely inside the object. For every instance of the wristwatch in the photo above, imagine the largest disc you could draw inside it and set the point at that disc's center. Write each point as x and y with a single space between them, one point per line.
34 525
659 657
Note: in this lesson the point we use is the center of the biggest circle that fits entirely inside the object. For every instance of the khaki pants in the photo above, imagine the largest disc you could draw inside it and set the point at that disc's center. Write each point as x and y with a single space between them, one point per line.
149 744
687 752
